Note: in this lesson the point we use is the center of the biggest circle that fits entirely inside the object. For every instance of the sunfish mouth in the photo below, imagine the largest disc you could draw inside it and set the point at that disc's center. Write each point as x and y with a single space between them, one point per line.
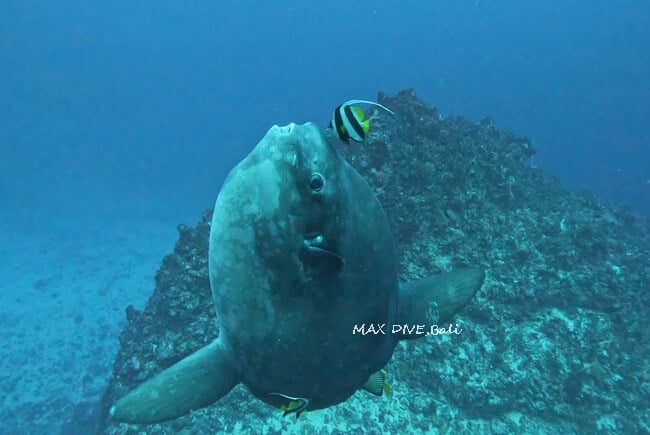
314 252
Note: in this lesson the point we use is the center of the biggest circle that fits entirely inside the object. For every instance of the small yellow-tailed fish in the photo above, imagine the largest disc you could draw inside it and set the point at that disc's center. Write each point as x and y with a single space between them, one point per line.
349 120
296 405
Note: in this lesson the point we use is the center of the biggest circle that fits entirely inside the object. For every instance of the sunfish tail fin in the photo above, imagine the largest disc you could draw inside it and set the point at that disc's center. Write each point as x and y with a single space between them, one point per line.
194 382
435 299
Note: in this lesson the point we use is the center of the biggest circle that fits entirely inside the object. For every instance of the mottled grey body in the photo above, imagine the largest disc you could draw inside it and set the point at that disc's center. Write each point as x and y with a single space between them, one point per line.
287 314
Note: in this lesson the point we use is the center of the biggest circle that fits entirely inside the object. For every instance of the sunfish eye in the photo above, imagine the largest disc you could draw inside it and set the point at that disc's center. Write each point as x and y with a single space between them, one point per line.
316 182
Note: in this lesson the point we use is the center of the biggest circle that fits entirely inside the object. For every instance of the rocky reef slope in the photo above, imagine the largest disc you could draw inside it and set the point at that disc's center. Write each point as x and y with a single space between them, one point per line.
557 340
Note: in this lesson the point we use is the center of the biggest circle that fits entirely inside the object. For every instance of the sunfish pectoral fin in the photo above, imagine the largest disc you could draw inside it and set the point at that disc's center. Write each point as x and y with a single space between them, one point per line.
435 299
194 382
321 259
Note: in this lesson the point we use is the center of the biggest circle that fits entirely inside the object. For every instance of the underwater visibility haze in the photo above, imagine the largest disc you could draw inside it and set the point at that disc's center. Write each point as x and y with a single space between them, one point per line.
479 166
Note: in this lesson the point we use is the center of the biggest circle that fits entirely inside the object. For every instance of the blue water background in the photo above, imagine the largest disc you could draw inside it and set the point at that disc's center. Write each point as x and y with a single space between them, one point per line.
119 107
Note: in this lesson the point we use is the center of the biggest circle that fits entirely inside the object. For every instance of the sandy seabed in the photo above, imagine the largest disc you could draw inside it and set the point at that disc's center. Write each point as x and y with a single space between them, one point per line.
64 286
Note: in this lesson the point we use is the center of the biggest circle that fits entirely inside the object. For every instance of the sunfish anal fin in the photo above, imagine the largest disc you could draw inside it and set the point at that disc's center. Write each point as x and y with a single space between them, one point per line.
194 382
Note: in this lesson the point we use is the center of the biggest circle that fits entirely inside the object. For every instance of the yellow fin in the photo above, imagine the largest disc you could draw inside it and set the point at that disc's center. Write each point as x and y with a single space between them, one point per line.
294 404
388 390
358 112
365 125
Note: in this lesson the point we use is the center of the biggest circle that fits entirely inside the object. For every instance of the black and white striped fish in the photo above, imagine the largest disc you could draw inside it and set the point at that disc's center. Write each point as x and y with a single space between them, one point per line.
349 123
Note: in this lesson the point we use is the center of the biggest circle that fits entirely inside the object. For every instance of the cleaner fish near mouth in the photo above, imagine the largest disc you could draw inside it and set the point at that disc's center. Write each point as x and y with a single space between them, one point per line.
348 120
